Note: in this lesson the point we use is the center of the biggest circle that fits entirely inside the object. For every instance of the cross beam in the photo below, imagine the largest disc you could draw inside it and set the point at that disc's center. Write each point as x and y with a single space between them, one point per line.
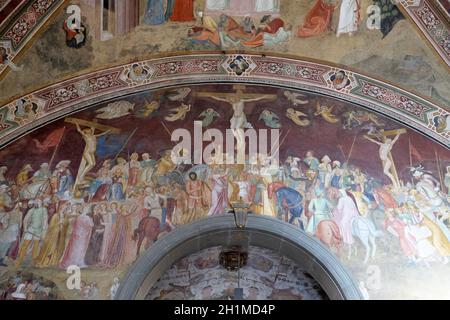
93 125
239 93
389 133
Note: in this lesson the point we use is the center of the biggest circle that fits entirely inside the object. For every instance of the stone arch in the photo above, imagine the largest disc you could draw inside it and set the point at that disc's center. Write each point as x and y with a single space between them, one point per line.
262 231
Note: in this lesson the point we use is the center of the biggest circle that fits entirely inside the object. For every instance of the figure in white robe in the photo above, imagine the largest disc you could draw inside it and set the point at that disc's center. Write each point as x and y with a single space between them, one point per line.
266 6
349 17
214 5
345 212
282 35
424 247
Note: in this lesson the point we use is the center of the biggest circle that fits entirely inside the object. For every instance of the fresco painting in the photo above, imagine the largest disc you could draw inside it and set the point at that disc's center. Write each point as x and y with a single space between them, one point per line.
266 276
329 30
99 187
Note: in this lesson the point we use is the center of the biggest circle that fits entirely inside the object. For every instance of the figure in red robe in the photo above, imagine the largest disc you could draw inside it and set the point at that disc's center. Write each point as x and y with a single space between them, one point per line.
183 10
318 20
270 26
233 29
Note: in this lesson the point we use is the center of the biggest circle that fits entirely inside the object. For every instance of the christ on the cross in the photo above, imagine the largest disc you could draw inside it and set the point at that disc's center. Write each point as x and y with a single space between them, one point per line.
239 120
90 138
386 157
88 161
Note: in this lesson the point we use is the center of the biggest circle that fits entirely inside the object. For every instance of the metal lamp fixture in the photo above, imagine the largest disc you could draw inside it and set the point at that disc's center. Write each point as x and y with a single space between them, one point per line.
241 210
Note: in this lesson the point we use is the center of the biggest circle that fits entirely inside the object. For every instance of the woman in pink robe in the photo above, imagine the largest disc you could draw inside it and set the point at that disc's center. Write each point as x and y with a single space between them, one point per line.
121 240
107 216
79 242
219 195
398 228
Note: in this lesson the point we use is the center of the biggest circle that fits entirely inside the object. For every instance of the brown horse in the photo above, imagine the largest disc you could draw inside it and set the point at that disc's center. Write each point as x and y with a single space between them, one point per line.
149 229
328 232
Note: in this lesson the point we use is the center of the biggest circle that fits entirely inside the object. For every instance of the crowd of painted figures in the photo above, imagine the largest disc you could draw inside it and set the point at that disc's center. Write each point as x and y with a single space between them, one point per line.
269 30
46 222
26 286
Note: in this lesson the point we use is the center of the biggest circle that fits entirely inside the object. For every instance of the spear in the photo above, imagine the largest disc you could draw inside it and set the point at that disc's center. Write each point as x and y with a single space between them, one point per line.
167 129
57 148
126 142
351 149
438 164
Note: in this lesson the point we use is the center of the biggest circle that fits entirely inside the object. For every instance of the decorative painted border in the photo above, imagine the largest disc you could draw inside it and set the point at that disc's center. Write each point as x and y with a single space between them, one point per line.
431 23
8 8
32 17
75 94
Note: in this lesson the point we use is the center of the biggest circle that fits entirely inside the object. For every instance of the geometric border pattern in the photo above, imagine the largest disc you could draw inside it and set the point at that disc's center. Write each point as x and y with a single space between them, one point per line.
32 17
431 23
83 91
36 13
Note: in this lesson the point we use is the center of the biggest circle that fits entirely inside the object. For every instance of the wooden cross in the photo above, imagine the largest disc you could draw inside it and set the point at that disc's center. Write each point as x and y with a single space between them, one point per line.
387 134
93 125
239 94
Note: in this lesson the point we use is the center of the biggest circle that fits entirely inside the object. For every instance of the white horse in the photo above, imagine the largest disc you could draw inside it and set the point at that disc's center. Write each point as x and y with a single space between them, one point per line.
34 189
366 232
436 199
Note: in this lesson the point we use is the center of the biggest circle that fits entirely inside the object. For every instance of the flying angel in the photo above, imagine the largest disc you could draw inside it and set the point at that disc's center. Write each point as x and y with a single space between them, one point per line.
147 110
294 98
115 110
270 119
296 115
177 94
326 113
178 113
209 115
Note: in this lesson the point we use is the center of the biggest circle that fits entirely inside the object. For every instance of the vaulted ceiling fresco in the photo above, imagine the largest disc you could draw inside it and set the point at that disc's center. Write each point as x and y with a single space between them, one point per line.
88 106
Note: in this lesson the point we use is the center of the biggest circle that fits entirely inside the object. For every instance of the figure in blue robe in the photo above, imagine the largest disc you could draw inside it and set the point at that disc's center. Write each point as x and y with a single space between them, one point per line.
290 199
115 192
155 12
65 183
